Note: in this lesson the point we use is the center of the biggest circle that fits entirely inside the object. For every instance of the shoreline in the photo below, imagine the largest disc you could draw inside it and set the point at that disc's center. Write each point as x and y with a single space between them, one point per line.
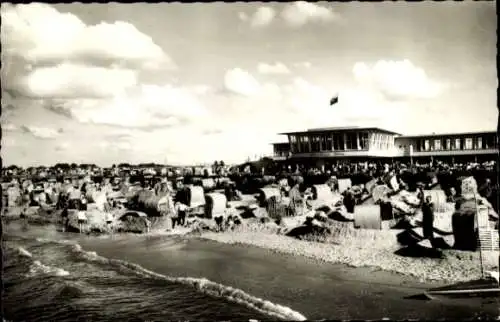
451 269
374 253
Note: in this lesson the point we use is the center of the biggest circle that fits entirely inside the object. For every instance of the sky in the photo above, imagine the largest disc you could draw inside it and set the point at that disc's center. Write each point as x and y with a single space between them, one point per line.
190 83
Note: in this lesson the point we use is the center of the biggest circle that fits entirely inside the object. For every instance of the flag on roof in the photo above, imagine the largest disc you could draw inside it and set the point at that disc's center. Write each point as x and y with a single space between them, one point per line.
334 100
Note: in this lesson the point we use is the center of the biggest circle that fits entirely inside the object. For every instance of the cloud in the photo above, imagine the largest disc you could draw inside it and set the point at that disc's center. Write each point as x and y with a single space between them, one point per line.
277 68
76 81
115 146
41 132
146 106
40 34
212 131
295 14
241 82
298 103
53 55
262 17
242 16
63 146
304 64
300 13
396 80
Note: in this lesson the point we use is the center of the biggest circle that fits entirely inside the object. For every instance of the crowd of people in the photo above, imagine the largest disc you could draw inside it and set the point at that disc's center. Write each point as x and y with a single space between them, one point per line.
69 195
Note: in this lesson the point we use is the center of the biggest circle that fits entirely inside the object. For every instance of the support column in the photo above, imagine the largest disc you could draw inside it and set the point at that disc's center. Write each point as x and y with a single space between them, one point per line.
333 142
358 146
309 143
345 145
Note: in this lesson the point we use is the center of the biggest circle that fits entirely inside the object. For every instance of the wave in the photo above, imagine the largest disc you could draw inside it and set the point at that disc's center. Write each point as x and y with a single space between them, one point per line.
201 284
23 252
37 268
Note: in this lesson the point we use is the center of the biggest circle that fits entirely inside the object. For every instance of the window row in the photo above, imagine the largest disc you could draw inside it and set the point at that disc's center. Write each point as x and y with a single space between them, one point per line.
469 143
329 142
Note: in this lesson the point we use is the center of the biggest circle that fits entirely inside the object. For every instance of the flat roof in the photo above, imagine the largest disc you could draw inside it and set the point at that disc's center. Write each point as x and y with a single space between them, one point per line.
448 134
342 128
276 143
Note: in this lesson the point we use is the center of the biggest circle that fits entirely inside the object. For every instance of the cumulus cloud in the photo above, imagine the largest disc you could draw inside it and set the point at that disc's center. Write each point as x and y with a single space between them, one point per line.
76 81
41 132
262 17
53 55
295 14
396 80
299 104
277 68
147 106
300 13
39 33
241 82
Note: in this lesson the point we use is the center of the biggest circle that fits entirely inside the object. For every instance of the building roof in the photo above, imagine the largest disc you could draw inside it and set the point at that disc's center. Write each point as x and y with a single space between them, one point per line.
343 128
278 143
448 134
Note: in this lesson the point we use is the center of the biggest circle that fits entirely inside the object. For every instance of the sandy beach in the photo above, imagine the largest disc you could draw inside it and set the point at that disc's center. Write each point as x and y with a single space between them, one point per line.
456 266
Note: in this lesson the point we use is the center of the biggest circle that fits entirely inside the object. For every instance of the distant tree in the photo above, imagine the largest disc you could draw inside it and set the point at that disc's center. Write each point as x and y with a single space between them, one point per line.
221 163
74 166
62 166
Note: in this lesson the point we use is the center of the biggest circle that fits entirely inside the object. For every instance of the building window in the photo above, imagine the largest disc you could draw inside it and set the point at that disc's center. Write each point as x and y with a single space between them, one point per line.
458 146
324 143
427 145
489 141
341 142
348 142
479 143
437 144
364 141
315 143
307 147
448 144
468 144
351 141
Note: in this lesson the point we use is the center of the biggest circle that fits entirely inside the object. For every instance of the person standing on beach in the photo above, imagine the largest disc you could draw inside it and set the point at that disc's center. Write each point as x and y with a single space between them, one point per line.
82 218
174 216
109 221
65 219
349 201
420 194
295 198
428 218
181 214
